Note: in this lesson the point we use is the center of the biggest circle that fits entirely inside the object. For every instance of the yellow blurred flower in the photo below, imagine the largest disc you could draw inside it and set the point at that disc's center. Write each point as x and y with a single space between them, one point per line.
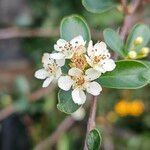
136 108
121 108
124 108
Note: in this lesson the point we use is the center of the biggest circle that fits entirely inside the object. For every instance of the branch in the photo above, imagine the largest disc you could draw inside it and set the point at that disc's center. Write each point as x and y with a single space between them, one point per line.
14 32
64 126
91 120
128 19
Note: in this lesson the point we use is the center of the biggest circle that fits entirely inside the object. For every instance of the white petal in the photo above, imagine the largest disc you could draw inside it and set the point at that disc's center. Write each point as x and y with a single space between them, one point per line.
57 56
58 73
109 65
57 48
46 59
75 72
47 82
94 88
65 82
60 62
92 74
61 42
77 41
41 74
78 96
99 48
99 68
89 61
90 48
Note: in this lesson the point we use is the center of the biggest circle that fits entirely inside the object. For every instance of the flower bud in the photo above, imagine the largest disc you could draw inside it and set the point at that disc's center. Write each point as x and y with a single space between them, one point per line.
138 40
145 50
79 114
132 54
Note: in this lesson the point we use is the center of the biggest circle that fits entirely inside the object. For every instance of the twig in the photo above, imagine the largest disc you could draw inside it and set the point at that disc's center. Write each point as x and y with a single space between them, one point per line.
128 19
64 126
91 120
16 32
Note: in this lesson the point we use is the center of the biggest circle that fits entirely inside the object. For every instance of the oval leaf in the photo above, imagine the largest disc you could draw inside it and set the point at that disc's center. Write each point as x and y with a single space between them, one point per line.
73 26
126 75
65 102
98 6
94 140
137 31
114 41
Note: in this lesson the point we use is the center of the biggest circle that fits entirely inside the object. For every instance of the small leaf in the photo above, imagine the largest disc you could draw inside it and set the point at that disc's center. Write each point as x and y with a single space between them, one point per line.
126 75
73 26
114 41
139 30
94 140
98 6
65 102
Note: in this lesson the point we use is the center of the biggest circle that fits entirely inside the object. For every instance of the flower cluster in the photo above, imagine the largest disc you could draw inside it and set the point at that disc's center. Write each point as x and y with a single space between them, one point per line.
86 64
125 108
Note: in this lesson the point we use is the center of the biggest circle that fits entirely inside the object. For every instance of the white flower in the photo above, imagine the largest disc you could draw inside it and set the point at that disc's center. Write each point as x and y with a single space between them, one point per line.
79 83
98 57
79 114
66 49
51 69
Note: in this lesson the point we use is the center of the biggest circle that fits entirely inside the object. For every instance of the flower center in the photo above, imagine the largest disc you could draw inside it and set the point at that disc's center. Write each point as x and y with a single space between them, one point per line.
97 59
78 61
79 81
51 68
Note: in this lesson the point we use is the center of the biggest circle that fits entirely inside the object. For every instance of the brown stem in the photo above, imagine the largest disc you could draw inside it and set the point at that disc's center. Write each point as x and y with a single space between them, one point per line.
64 126
128 19
91 120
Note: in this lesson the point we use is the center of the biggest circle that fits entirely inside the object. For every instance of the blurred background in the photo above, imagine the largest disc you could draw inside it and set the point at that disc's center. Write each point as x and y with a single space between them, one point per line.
29 117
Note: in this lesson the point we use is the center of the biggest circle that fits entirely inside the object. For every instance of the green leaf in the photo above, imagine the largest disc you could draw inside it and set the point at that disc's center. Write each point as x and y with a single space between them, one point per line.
114 41
139 30
127 75
73 26
65 102
94 140
98 6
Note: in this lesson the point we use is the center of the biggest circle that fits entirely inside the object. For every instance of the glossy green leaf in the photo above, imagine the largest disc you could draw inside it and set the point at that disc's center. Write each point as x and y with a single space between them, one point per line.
139 30
98 6
65 102
73 26
127 75
114 41
94 140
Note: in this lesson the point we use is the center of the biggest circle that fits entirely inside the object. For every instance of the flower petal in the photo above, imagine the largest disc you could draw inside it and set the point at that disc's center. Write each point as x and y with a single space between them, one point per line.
46 59
65 82
78 96
92 74
77 41
57 55
58 73
109 65
41 74
57 48
60 62
61 42
90 48
75 72
47 82
94 88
